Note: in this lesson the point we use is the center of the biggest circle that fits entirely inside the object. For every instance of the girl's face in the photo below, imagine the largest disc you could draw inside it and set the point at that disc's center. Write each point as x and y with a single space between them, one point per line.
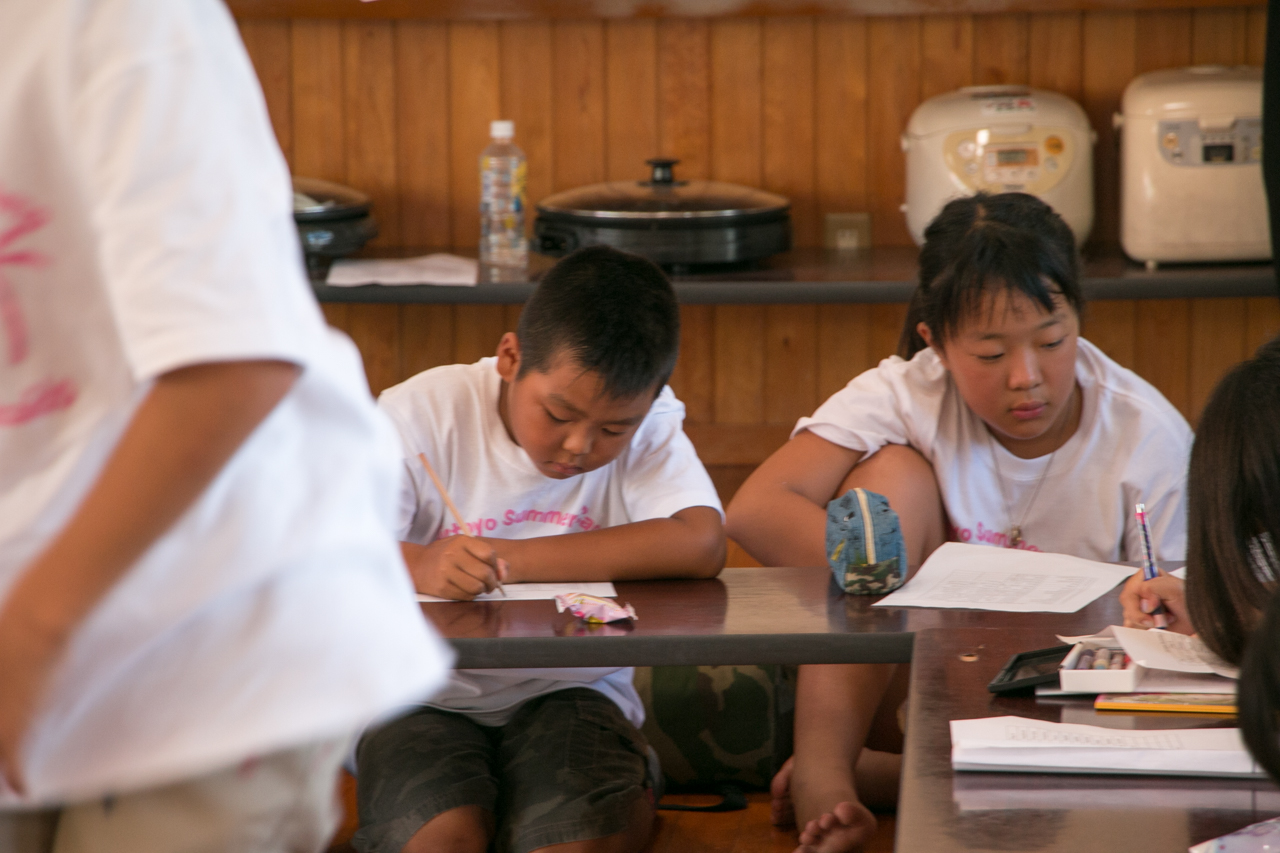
1015 366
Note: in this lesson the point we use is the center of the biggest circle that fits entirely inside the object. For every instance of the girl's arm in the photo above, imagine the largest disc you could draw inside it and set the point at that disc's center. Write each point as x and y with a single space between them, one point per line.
779 515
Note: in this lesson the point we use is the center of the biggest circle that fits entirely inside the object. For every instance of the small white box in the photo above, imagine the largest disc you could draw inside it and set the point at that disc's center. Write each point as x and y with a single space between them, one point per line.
1098 680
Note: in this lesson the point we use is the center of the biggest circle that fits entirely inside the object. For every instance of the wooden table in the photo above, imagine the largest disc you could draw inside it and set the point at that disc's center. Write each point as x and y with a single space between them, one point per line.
945 812
745 616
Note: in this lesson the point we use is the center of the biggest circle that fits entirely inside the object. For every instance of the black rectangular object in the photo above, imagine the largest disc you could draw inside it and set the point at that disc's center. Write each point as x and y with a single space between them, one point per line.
1027 669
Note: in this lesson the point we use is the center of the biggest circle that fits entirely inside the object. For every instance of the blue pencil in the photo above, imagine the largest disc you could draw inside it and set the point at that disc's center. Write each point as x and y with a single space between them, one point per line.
1149 570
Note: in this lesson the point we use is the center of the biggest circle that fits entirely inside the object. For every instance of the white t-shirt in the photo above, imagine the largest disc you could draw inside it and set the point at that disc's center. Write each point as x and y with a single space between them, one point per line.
450 414
145 225
1131 447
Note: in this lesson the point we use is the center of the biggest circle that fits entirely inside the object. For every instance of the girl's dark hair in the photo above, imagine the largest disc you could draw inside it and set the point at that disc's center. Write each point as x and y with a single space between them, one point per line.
1233 505
1258 695
1010 240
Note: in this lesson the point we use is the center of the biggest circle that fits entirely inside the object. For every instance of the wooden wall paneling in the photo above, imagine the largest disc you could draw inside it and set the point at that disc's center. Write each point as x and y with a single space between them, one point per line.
684 93
1162 341
893 91
739 364
577 103
1256 37
1000 49
631 98
526 99
844 344
1218 333
318 140
1110 324
1163 40
694 379
946 54
474 101
476 331
790 362
789 122
422 138
268 45
335 314
1218 36
1263 323
426 338
369 120
1056 52
840 104
885 327
737 101
376 331
1110 44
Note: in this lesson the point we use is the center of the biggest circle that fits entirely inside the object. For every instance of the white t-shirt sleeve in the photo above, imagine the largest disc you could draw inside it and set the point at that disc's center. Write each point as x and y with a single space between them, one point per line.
1157 477
896 402
662 473
420 508
189 191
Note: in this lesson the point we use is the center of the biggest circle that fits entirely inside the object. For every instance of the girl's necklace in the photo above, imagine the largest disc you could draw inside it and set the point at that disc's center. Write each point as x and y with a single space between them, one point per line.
1014 537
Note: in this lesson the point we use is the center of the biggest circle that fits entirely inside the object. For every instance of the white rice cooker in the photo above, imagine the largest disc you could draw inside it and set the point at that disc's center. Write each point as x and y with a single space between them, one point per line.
1191 166
999 139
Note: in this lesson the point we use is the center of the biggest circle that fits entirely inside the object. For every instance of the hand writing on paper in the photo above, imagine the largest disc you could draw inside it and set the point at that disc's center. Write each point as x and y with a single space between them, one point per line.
459 567
1139 597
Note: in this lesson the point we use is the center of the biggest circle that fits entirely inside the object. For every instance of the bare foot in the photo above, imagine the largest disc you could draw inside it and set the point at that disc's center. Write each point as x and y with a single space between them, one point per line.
841 830
781 810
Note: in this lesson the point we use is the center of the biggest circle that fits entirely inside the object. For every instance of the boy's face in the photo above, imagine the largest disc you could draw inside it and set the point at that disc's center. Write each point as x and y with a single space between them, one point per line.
561 417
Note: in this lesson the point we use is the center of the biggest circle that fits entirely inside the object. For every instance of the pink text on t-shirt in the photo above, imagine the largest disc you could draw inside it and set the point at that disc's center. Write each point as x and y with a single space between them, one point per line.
988 536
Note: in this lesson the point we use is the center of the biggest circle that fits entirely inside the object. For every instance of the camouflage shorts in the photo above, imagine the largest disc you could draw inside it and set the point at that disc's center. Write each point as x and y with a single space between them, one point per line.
568 767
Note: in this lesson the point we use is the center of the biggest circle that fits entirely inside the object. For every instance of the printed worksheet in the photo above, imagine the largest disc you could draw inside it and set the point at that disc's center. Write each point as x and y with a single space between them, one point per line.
979 577
1157 649
538 591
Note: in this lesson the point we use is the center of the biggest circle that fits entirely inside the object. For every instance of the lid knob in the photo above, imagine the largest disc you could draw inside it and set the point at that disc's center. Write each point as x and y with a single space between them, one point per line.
662 171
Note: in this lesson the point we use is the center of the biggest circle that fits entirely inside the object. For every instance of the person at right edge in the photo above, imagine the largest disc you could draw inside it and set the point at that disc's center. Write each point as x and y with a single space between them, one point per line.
201 596
1000 427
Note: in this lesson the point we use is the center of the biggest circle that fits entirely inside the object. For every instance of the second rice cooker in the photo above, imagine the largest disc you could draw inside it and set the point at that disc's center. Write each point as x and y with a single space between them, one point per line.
999 139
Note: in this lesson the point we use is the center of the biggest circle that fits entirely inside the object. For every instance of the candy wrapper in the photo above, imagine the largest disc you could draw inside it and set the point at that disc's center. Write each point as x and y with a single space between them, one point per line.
593 608
1259 838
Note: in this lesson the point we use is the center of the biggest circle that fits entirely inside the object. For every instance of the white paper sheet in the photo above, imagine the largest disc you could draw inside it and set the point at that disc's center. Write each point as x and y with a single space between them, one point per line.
1162 650
1023 745
980 577
438 268
537 591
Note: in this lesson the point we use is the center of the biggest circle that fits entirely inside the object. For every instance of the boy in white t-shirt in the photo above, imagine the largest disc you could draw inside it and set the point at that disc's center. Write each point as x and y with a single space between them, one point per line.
565 455
201 600
1003 428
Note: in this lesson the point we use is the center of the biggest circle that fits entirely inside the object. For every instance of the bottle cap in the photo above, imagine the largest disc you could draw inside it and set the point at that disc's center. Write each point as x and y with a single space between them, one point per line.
502 129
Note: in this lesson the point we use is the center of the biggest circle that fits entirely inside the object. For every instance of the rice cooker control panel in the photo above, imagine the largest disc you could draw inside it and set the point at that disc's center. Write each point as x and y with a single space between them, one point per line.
1033 160
1185 143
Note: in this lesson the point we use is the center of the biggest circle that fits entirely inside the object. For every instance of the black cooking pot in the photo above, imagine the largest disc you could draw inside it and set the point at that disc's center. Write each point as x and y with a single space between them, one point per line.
333 222
668 221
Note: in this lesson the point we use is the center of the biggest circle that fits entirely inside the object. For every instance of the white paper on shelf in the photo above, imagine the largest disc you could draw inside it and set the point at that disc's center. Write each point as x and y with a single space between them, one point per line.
438 268
538 591
985 578
1023 745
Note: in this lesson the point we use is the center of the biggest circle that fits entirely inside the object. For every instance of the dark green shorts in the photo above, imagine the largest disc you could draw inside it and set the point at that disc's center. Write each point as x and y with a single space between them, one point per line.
567 767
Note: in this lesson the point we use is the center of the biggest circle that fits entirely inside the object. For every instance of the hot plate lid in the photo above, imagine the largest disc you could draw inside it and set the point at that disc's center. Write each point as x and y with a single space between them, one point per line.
662 197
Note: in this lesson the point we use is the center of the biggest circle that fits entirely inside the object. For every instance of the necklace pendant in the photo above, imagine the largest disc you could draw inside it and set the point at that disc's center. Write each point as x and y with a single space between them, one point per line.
1015 536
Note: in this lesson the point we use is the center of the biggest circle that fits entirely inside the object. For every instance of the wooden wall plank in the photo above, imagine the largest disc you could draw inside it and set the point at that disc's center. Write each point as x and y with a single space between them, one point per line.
893 91
376 331
1110 325
1110 44
884 327
1217 343
1256 37
316 57
631 98
1218 36
1162 341
1263 322
1000 49
526 100
694 377
844 335
841 116
790 362
369 120
426 338
946 54
1163 40
474 101
422 139
1056 52
737 98
739 364
476 331
578 103
789 122
268 45
684 91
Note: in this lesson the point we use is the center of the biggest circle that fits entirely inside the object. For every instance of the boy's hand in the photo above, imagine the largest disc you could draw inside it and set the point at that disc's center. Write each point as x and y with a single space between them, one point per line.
458 567
1139 597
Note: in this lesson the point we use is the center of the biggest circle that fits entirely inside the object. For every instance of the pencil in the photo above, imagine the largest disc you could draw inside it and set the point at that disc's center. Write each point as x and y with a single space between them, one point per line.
453 508
1149 570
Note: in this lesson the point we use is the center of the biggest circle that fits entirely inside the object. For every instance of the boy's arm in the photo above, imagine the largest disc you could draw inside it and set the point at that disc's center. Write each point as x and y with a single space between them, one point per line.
779 515
186 429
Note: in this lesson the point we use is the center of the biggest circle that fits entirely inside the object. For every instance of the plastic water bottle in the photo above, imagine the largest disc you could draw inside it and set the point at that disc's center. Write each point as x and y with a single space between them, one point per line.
502 200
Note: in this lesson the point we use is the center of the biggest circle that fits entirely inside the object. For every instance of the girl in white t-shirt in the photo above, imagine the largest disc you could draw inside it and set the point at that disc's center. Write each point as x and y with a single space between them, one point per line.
1001 427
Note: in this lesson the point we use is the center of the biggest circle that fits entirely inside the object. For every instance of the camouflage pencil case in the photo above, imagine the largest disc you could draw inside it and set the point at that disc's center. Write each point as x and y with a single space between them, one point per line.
864 543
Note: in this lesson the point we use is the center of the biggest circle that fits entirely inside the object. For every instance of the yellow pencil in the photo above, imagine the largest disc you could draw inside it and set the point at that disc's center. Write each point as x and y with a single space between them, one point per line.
448 501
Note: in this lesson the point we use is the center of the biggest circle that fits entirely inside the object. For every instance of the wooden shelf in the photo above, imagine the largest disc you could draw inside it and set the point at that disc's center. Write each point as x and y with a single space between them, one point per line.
818 276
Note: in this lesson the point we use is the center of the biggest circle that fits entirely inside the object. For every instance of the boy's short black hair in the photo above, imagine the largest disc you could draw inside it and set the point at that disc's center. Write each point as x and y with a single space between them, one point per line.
1012 241
613 313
